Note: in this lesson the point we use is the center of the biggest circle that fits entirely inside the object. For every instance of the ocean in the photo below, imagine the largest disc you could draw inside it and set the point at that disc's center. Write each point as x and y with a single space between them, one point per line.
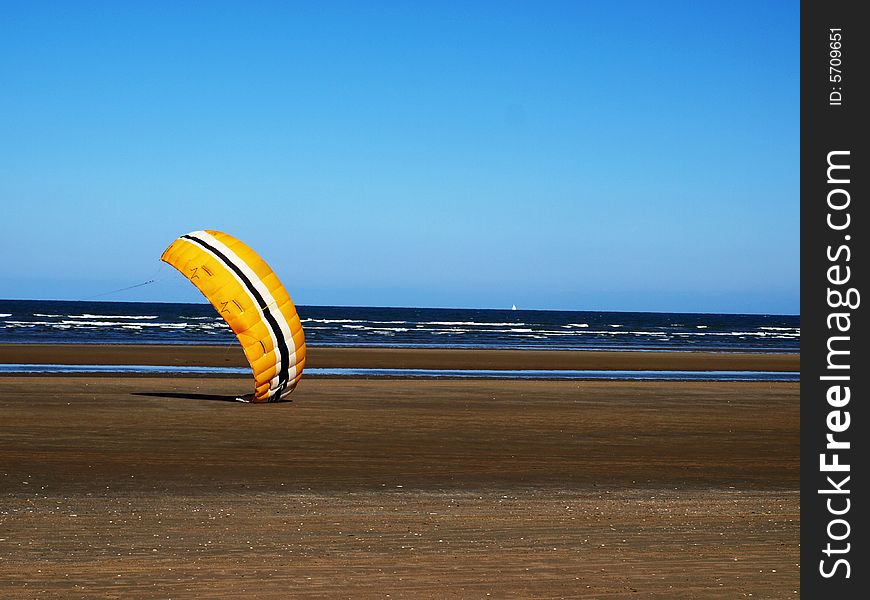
89 322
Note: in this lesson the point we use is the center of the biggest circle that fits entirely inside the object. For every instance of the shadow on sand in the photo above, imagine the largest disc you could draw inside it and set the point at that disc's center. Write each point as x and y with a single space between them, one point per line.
214 397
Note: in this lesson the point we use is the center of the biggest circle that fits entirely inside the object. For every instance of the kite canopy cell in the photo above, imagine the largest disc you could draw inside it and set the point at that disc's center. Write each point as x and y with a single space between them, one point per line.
250 298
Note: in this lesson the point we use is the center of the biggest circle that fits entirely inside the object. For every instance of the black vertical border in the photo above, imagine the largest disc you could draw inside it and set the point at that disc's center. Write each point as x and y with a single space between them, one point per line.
826 128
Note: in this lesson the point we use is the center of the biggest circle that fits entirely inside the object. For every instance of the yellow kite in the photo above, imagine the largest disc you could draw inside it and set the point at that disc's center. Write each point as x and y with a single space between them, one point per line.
250 298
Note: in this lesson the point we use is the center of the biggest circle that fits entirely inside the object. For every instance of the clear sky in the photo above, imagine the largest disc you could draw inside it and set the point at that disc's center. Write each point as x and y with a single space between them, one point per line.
564 155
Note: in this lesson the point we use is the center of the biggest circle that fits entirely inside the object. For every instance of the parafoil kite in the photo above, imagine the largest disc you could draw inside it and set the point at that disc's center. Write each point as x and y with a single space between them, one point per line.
250 298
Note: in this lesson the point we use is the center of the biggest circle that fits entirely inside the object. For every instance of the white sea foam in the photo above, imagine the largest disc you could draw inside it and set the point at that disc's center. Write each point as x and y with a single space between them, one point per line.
768 328
612 333
389 330
742 333
523 330
550 333
469 323
121 323
89 316
45 315
576 325
333 321
755 333
600 332
779 334
2 315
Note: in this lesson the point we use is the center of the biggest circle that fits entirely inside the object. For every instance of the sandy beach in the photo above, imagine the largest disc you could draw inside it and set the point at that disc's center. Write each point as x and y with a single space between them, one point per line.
161 487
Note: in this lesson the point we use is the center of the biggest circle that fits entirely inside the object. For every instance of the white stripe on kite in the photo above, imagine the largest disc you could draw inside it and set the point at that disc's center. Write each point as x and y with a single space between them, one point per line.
254 280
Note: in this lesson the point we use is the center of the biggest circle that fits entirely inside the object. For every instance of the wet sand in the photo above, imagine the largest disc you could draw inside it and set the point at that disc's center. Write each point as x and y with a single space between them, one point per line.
402 358
160 487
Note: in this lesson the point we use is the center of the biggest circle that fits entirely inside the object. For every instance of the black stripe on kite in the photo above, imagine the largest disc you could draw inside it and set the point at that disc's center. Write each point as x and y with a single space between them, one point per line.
283 351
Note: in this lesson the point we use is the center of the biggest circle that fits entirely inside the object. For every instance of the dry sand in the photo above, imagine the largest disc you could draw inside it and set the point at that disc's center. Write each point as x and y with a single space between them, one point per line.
159 487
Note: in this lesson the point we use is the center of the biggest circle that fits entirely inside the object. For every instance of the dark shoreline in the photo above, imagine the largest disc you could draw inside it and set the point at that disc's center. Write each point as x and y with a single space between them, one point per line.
403 358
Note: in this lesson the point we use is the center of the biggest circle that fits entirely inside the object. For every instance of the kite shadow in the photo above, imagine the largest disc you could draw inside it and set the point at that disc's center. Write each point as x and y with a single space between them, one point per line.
184 396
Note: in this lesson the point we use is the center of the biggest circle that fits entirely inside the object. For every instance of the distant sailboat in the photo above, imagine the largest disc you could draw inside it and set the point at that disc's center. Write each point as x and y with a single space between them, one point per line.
514 307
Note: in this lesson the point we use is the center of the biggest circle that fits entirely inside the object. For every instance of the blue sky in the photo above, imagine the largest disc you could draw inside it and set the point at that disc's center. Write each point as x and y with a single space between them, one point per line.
564 155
